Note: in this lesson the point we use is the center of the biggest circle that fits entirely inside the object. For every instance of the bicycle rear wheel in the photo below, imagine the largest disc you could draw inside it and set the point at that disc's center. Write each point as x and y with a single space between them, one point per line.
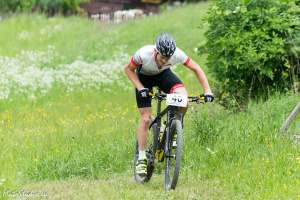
173 154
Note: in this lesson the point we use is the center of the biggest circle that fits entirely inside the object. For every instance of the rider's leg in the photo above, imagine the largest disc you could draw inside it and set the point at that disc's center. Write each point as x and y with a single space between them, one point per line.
142 130
144 107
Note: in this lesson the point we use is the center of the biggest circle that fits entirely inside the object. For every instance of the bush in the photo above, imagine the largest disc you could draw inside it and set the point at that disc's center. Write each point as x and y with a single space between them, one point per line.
16 5
65 7
49 7
191 1
253 47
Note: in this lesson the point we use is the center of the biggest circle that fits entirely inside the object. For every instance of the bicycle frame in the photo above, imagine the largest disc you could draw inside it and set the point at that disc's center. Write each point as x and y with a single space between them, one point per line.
163 142
170 111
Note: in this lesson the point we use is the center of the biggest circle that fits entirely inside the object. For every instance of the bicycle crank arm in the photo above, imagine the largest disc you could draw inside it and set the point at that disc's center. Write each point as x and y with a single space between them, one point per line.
170 156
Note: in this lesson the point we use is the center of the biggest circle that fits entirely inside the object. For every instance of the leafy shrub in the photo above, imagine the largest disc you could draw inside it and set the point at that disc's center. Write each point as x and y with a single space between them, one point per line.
16 5
253 47
189 1
49 7
65 7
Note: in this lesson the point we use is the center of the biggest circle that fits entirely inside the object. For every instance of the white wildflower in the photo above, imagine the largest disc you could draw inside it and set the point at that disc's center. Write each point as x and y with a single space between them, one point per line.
50 30
43 31
26 75
210 151
2 181
24 35
58 27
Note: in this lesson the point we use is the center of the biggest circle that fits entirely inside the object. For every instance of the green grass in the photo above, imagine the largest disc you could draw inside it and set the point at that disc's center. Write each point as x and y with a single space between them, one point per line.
79 145
246 152
75 37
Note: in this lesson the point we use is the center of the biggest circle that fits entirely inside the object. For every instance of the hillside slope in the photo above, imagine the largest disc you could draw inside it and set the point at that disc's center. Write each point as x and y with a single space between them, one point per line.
68 117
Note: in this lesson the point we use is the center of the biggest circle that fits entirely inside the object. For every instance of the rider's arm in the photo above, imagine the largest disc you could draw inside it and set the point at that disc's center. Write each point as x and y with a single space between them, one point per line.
192 65
130 72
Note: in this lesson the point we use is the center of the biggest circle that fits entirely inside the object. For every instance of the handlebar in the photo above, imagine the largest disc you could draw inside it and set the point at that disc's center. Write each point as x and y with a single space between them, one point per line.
163 96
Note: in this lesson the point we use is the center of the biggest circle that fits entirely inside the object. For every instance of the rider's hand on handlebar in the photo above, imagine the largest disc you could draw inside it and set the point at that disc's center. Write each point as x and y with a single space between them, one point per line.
144 92
208 97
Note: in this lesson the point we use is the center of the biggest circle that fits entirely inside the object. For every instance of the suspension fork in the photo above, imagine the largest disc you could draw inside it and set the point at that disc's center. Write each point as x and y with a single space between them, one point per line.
170 117
172 114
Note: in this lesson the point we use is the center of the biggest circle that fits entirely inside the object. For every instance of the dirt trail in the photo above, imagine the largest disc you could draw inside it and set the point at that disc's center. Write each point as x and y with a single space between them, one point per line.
123 187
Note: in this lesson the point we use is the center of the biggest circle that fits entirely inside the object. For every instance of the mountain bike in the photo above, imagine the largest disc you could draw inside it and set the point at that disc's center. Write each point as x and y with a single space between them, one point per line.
166 141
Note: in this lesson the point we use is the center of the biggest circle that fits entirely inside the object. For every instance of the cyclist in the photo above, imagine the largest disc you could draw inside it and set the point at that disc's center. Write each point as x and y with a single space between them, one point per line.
150 66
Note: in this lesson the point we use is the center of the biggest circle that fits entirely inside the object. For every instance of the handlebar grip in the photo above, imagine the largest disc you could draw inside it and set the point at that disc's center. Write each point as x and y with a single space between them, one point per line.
202 97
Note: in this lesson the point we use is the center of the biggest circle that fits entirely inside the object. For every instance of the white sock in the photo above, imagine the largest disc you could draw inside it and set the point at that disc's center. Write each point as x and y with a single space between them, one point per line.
142 155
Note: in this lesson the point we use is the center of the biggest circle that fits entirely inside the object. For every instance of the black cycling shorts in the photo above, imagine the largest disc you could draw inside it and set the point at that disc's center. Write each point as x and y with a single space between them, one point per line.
167 81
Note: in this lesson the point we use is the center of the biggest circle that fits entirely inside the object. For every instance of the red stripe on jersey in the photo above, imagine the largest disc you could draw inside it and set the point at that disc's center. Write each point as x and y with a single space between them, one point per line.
175 87
187 61
133 63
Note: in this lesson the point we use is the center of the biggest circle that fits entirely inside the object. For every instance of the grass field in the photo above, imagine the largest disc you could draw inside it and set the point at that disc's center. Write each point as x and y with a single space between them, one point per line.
68 117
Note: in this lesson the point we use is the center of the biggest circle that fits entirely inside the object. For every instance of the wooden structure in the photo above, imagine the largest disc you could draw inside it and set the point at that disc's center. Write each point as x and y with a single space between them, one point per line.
290 118
110 6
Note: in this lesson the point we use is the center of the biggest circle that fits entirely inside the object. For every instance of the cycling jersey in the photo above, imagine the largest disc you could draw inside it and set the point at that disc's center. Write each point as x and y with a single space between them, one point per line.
144 60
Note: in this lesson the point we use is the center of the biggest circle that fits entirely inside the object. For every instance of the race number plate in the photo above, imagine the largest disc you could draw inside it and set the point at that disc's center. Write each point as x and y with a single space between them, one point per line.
178 100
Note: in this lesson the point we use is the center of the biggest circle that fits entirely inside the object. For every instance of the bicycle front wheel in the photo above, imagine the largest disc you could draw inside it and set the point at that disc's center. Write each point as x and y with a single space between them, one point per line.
174 150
